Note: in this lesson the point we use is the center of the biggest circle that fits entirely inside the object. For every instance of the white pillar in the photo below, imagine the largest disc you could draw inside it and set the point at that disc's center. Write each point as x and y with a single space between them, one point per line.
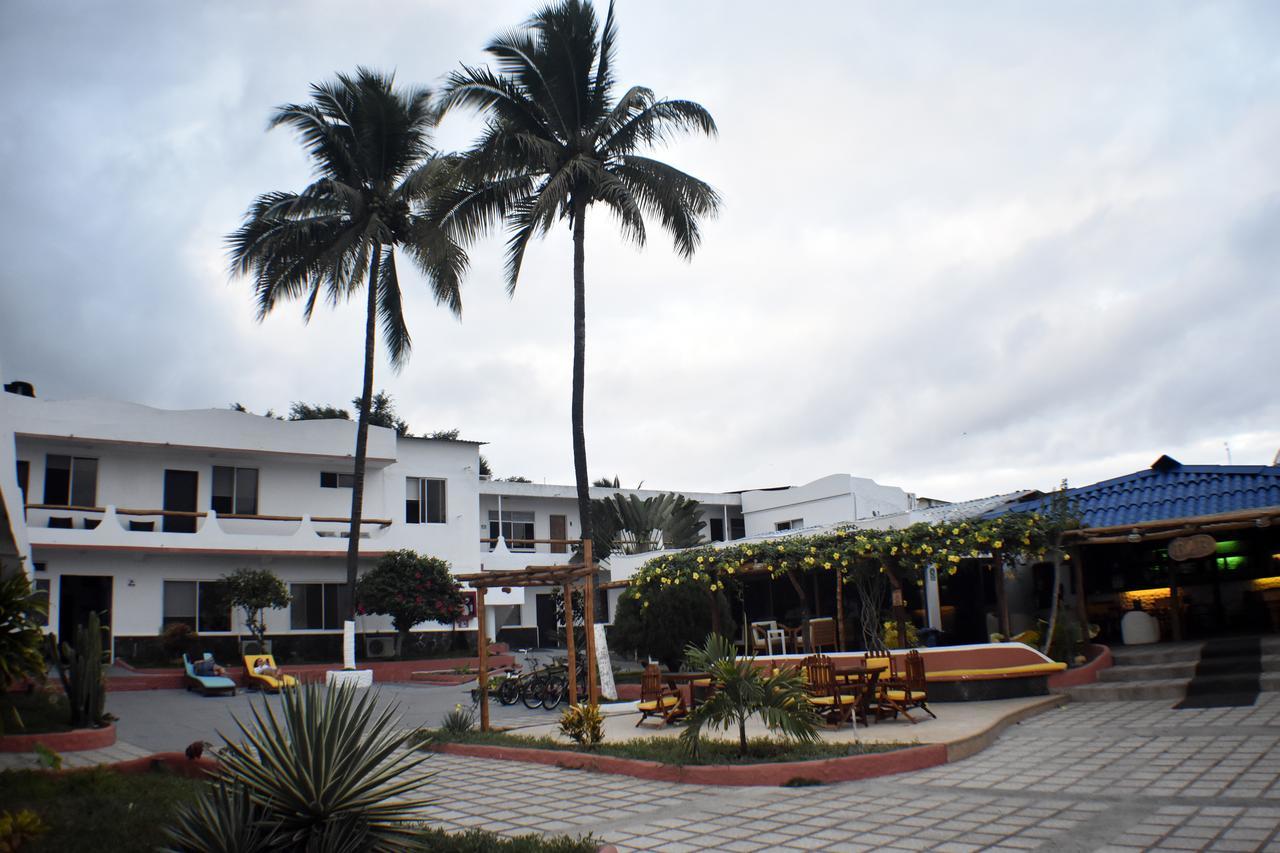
933 604
348 645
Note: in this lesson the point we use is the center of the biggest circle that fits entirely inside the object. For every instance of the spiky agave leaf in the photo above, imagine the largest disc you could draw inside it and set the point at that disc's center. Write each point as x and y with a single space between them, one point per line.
222 819
329 762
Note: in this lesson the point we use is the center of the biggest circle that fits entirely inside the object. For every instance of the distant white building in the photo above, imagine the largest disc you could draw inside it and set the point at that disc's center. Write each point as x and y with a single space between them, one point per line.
134 512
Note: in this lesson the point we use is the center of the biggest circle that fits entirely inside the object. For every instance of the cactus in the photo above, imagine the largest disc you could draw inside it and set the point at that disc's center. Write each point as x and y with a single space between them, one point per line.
80 668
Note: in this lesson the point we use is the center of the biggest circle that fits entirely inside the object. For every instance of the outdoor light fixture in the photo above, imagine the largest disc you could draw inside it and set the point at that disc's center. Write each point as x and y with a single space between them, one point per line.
1135 537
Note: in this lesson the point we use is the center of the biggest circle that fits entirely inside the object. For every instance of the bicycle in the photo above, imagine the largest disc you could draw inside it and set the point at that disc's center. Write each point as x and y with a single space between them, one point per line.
557 683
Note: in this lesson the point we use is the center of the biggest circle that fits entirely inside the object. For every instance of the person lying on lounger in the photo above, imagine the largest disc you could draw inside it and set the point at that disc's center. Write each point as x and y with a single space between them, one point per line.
208 667
262 666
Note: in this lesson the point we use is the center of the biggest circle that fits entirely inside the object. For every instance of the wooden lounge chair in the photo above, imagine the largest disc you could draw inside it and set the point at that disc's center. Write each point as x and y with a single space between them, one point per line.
908 691
833 701
206 684
267 683
658 700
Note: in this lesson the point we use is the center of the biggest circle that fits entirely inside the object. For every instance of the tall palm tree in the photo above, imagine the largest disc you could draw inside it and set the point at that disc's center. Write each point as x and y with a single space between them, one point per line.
376 174
557 141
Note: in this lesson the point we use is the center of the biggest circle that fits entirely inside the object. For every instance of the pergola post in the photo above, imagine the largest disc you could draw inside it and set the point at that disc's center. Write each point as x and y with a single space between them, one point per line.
1002 599
482 642
589 617
570 644
839 609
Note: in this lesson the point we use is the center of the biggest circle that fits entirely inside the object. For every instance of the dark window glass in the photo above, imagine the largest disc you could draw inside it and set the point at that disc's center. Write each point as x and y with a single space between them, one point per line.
717 530
24 475
42 590
328 480
314 606
215 612
516 528
247 491
737 528
179 603
435 502
84 482
57 479
224 489
412 500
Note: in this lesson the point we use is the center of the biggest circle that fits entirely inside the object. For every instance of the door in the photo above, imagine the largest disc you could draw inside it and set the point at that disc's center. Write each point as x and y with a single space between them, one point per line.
78 596
548 623
559 530
180 489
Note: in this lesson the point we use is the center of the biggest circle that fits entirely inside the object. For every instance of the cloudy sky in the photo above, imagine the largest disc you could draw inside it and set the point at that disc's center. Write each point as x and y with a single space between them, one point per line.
965 248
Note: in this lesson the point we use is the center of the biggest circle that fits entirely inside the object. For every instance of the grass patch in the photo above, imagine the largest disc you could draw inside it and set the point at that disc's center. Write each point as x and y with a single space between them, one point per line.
97 809
100 809
40 711
667 750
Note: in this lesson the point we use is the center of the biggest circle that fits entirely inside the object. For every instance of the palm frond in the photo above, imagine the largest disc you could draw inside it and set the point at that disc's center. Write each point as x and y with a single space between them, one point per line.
657 123
395 334
676 198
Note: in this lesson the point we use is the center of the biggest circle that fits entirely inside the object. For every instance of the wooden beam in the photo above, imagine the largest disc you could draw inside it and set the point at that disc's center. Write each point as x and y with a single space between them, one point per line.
571 644
589 617
482 642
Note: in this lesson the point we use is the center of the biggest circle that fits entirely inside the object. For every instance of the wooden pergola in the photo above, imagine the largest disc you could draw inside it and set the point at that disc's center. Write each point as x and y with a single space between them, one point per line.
567 577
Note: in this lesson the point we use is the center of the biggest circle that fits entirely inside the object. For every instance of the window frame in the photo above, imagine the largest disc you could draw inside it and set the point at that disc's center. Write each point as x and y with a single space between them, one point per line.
507 525
196 621
240 505
341 480
329 592
88 469
426 511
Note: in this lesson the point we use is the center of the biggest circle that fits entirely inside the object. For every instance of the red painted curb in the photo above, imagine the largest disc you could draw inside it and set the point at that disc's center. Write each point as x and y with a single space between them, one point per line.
72 741
1100 659
845 769
173 762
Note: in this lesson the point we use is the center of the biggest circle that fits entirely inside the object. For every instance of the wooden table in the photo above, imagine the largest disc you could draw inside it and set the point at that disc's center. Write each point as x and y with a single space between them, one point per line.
675 679
866 675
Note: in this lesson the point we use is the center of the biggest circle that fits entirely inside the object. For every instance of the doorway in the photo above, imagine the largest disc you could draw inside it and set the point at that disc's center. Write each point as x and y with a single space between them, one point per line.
548 621
180 488
78 596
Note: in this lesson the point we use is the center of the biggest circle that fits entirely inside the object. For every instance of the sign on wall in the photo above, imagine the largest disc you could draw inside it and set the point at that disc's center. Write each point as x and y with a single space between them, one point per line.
603 665
1192 547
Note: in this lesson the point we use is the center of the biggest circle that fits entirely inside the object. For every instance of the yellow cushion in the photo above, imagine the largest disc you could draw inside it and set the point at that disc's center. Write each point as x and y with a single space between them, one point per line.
652 705
701 682
905 695
831 700
878 661
1023 669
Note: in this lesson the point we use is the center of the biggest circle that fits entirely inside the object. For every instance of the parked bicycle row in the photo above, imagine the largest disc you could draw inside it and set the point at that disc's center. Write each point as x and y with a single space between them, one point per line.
535 684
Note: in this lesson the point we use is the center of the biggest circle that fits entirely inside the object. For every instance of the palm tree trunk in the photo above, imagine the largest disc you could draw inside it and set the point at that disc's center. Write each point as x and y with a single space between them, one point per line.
579 364
362 434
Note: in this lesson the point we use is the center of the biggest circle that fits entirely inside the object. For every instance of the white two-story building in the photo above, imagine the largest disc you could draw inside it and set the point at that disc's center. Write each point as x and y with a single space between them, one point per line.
135 512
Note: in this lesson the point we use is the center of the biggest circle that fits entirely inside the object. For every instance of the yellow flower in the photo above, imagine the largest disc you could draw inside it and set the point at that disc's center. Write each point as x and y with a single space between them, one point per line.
699 560
999 543
826 565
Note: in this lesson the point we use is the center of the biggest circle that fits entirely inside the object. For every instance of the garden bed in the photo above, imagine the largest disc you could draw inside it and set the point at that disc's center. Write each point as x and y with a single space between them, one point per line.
41 711
128 812
771 764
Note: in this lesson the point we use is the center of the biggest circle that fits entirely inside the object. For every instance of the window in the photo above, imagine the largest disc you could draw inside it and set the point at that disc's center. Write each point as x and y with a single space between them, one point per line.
42 590
717 530
314 606
235 491
737 528
200 604
793 524
336 480
424 501
24 474
515 526
70 481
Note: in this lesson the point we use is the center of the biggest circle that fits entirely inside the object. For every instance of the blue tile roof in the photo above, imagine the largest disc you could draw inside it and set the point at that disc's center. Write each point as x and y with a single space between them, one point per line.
1168 490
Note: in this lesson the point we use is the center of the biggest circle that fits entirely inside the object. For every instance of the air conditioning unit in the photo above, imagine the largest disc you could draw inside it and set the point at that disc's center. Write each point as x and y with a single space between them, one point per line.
379 647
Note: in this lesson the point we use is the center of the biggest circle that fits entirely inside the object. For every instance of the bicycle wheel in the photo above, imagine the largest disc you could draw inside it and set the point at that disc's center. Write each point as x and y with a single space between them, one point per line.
509 691
553 693
531 691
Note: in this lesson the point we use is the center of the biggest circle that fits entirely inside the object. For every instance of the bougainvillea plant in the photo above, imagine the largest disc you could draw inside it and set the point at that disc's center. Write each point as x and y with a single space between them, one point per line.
411 589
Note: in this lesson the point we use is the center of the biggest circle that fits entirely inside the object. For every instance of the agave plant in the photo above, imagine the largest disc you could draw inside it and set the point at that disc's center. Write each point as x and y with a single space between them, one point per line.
329 772
744 690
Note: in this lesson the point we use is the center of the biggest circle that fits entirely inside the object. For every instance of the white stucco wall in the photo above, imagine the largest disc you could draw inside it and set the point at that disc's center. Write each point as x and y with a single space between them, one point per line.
828 500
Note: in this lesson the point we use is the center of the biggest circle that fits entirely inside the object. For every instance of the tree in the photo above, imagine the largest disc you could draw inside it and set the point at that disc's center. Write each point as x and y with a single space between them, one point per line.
445 434
627 523
557 141
253 591
383 413
744 690
676 615
376 174
21 637
411 589
317 412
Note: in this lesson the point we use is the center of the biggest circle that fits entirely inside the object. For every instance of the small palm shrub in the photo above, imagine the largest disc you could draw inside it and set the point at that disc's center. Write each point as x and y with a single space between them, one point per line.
743 690
583 724
21 638
329 772
459 721
17 828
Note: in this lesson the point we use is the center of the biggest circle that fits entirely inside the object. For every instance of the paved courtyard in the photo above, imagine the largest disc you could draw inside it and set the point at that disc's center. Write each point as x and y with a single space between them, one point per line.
1114 776
1097 776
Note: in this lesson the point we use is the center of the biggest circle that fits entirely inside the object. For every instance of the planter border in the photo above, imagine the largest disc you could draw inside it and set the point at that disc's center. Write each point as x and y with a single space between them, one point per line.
75 740
845 769
1099 659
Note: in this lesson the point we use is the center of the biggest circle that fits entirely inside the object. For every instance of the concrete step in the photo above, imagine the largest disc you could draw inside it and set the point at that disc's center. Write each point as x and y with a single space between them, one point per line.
1157 653
1155 688
1176 669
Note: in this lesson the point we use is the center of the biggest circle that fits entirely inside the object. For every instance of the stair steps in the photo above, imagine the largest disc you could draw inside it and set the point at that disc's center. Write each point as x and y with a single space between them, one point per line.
1163 671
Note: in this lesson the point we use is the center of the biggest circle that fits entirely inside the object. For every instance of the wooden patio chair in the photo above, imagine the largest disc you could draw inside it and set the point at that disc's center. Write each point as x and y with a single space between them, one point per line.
657 699
909 691
822 634
833 701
